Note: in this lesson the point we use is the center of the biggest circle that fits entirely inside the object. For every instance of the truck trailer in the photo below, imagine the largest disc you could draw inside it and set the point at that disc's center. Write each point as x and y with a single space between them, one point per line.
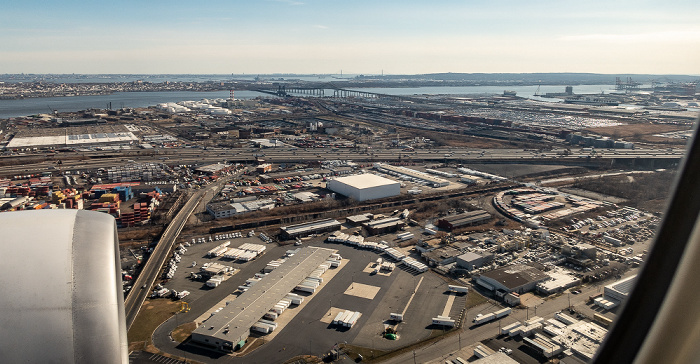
443 321
480 319
503 312
458 289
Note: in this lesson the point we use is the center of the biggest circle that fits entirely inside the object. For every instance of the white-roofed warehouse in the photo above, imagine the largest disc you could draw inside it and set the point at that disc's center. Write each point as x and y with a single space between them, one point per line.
363 187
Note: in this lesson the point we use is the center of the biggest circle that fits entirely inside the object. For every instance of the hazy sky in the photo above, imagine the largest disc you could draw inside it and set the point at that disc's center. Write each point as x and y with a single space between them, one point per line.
356 36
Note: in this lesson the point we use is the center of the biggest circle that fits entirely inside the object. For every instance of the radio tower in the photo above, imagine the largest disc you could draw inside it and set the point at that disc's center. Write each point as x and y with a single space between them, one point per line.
231 97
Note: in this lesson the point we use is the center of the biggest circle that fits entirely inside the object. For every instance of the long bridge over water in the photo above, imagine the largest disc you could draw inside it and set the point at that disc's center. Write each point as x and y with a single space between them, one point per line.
286 90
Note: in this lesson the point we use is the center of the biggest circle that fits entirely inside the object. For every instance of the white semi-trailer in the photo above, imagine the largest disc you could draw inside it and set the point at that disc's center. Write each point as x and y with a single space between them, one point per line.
338 317
353 319
480 319
503 312
303 288
458 289
443 321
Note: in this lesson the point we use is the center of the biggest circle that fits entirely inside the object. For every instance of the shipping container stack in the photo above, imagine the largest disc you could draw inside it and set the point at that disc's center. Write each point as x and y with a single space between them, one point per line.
124 192
142 210
68 198
109 197
17 191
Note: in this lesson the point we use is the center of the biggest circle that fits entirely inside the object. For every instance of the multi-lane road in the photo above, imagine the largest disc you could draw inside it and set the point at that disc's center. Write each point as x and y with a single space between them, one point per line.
141 288
37 163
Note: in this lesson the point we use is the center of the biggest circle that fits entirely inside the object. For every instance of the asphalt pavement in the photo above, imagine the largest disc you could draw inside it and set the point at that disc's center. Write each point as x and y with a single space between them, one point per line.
149 273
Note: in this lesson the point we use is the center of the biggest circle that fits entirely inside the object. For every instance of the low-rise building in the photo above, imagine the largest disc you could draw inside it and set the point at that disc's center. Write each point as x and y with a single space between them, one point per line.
308 228
264 168
472 260
357 220
383 226
558 281
517 278
464 219
222 210
616 293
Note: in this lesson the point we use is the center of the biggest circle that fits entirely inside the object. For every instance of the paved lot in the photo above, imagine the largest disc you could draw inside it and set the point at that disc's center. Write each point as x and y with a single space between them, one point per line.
197 253
309 332
362 290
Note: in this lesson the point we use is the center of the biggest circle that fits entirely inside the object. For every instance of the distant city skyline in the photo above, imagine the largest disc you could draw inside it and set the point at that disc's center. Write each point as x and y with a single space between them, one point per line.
357 37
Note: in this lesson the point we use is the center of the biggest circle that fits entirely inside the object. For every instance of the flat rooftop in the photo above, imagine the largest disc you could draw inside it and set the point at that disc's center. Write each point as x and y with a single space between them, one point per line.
310 226
366 180
72 139
514 276
623 286
252 304
411 173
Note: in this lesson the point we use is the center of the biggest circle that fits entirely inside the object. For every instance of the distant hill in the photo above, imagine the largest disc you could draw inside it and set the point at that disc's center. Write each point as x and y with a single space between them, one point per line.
536 78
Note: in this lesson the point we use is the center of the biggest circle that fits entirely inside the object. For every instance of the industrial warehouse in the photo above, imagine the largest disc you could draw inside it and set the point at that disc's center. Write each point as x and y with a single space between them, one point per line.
229 328
463 220
365 187
314 227
74 136
516 278
412 175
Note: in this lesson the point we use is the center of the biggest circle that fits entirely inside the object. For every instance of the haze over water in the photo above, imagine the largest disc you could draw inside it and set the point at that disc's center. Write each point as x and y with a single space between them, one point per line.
33 106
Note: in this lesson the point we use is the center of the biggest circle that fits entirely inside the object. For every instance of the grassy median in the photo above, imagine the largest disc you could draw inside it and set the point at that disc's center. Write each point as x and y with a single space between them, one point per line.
152 314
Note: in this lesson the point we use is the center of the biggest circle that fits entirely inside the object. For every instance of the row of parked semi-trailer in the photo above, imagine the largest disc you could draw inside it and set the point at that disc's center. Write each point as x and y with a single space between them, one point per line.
481 319
217 237
232 235
356 240
346 318
266 324
314 280
405 236
524 329
382 247
334 261
172 263
245 252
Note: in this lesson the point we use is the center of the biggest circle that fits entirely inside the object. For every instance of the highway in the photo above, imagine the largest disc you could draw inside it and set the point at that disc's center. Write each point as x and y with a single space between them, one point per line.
160 253
23 165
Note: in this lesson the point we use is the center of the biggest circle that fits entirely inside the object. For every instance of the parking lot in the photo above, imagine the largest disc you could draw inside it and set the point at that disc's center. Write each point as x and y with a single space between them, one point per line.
198 253
389 293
